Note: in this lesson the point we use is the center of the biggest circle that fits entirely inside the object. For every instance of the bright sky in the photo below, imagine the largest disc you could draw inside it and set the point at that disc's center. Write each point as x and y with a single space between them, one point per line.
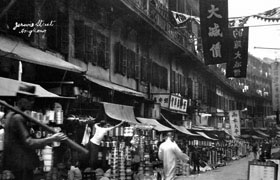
265 36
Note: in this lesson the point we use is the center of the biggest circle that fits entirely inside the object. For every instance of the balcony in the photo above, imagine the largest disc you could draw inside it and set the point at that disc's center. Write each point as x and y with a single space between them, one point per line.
158 15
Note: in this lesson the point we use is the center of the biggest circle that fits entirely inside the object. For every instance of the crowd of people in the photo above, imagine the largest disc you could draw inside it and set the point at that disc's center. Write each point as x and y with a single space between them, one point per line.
262 151
20 158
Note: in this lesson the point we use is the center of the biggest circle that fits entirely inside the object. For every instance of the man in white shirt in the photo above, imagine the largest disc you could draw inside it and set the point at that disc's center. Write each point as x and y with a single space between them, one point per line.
95 141
168 153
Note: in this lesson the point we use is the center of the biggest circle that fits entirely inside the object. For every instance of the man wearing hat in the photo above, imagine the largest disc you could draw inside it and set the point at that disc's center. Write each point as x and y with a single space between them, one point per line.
19 147
168 153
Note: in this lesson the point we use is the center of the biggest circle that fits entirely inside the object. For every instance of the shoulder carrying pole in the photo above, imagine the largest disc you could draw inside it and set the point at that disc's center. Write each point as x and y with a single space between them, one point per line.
71 143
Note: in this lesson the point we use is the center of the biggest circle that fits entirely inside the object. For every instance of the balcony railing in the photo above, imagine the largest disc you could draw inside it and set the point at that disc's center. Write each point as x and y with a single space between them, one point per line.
159 15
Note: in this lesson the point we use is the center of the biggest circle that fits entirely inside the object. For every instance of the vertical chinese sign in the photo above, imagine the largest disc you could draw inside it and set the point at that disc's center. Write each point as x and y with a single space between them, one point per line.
214 30
275 86
238 52
234 119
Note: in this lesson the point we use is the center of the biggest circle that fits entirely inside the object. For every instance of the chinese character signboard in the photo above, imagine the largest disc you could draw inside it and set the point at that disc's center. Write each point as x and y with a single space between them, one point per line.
178 103
162 99
238 56
171 102
275 68
234 119
214 30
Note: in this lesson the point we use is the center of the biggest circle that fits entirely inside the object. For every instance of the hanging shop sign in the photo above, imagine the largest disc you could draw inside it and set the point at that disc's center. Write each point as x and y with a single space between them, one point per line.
238 47
234 119
214 30
172 102
275 67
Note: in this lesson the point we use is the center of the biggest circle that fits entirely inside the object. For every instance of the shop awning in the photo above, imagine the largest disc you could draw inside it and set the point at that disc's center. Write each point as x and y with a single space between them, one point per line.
120 112
256 137
19 50
9 87
179 128
261 133
115 87
155 123
205 136
245 136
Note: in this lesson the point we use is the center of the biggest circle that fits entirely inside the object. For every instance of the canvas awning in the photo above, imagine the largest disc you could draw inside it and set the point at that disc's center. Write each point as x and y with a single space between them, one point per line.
261 133
157 126
16 49
181 129
205 136
10 87
256 137
115 87
120 112
245 136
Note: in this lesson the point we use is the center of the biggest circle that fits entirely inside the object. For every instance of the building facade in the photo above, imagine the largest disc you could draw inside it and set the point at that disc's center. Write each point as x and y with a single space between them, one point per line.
131 53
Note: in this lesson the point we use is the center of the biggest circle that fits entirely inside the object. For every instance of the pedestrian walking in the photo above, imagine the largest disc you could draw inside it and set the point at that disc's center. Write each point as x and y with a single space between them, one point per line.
266 149
168 153
195 158
255 149
19 155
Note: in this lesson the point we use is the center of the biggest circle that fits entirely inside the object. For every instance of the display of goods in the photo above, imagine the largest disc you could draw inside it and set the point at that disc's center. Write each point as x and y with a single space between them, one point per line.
47 156
50 115
128 131
185 169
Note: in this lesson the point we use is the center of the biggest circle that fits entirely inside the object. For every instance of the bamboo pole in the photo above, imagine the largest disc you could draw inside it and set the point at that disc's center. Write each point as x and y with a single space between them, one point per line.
71 143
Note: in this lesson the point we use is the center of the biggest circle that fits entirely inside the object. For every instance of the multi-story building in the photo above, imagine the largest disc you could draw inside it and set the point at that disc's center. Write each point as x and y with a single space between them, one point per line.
128 52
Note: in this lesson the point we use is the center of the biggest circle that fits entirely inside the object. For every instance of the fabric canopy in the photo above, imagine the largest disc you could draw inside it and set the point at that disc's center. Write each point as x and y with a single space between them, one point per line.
261 133
115 87
245 136
10 87
19 50
155 123
256 137
205 136
179 128
120 112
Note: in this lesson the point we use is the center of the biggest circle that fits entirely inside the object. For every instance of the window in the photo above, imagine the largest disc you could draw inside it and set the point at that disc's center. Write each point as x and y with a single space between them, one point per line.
79 40
172 83
91 46
126 61
143 69
159 76
118 57
57 35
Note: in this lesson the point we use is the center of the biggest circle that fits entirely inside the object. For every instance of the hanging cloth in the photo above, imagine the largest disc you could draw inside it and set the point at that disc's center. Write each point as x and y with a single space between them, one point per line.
86 135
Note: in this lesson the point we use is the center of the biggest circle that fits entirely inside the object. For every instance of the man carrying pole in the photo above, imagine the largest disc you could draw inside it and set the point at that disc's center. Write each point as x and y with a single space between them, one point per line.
19 155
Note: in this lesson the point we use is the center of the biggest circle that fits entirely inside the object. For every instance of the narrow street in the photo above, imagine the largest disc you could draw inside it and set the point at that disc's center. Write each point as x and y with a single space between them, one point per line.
235 170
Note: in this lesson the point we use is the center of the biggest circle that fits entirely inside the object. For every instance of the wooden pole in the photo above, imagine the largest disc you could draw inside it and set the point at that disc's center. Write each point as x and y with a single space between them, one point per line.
71 143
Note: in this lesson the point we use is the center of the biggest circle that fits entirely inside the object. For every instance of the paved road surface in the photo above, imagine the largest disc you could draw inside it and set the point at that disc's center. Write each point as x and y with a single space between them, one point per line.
235 170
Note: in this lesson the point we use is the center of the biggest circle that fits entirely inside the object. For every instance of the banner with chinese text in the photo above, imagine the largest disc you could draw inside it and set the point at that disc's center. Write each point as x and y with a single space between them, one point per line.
238 52
172 102
275 68
214 30
234 119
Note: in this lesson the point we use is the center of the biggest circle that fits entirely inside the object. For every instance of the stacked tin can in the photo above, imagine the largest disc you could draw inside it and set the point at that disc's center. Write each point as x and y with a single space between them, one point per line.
142 147
47 156
179 167
128 163
114 164
122 160
185 169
